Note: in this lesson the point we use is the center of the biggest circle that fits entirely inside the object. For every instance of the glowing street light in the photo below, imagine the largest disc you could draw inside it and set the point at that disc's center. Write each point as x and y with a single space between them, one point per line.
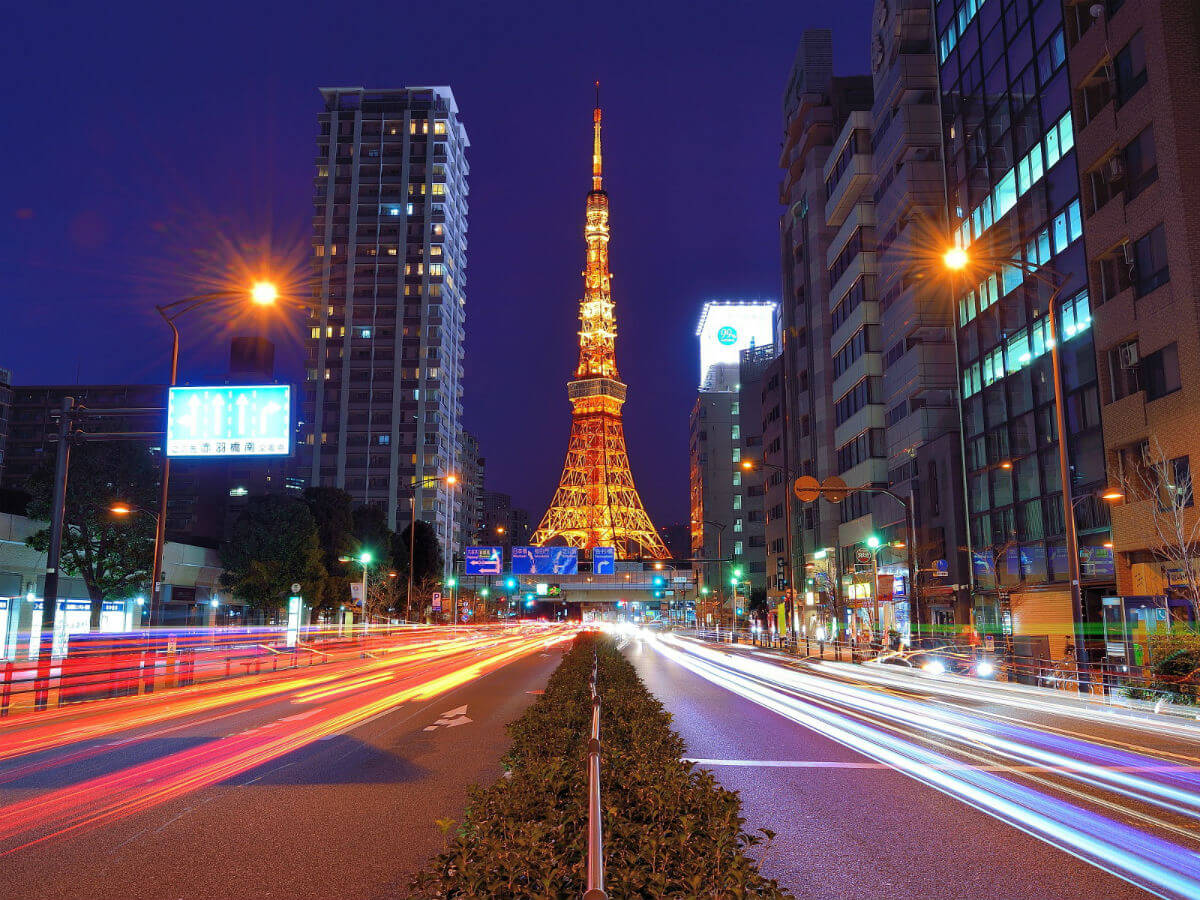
956 259
120 509
264 293
873 542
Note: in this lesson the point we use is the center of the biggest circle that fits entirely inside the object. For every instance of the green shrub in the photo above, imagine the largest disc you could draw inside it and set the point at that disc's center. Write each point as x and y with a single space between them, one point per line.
669 830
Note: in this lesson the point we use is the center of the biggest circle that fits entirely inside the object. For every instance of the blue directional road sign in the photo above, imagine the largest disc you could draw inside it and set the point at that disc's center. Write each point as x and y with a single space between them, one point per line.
545 560
483 560
230 420
604 560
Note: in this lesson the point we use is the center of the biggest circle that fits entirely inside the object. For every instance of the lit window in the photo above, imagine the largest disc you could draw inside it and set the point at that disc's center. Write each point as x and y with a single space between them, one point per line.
410 209
364 332
439 127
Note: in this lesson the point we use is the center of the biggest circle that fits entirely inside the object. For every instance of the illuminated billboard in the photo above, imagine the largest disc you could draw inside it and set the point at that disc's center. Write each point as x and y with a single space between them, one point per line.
726 329
483 560
230 420
545 560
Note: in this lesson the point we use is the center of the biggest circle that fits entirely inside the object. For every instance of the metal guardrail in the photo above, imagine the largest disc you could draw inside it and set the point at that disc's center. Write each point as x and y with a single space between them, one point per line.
595 833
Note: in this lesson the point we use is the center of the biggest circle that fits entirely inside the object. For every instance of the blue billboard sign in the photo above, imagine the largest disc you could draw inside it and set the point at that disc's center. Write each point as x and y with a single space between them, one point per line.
483 560
604 560
545 560
230 420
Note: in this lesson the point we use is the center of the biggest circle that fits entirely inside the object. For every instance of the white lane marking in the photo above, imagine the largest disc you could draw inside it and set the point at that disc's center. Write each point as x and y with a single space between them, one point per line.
460 711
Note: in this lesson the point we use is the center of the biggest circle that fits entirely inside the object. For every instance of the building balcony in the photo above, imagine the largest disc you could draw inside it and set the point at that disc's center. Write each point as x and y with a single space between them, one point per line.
1096 139
849 189
1125 420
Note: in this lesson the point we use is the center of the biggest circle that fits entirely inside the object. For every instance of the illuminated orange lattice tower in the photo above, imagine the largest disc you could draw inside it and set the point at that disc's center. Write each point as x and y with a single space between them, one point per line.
596 504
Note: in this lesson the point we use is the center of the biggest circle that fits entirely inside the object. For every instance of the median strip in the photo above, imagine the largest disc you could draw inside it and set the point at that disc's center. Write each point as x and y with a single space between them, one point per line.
669 828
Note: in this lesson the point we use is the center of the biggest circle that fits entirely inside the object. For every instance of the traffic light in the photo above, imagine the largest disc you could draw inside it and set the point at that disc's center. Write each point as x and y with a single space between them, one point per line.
658 595
659 581
738 572
451 581
510 583
873 541
741 611
483 592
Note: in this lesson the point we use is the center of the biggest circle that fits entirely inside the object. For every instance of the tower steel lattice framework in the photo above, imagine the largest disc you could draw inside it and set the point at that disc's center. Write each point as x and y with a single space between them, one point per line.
596 503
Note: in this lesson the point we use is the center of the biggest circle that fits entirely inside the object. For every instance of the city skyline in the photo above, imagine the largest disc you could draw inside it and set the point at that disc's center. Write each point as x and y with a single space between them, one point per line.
129 221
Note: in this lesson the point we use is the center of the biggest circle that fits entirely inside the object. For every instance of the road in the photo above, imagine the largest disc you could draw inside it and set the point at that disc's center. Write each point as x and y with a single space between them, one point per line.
883 783
324 782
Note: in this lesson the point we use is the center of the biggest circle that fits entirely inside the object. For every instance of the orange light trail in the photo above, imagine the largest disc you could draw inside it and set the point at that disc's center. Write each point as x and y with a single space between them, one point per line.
381 688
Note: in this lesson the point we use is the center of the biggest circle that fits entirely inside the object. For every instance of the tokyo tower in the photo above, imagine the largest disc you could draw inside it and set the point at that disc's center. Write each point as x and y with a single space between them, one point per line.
596 504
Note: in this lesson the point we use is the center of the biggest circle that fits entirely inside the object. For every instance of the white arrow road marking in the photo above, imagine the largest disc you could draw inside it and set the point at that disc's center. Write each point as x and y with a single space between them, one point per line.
451 718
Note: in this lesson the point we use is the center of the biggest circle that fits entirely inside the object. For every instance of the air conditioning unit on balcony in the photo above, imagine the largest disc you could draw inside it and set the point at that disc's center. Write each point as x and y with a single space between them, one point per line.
1128 355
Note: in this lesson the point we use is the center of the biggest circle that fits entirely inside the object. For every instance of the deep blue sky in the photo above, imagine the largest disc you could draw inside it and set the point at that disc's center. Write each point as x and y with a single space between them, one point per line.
147 143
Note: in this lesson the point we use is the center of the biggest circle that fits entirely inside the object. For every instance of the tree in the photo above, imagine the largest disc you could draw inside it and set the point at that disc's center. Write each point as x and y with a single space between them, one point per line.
372 535
274 543
426 552
385 595
1147 473
331 508
112 555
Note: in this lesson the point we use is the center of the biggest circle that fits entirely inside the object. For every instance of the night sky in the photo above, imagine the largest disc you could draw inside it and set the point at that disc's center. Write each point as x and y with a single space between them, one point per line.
153 148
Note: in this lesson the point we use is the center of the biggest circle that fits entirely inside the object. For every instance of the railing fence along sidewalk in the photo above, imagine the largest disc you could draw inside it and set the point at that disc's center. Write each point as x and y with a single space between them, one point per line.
98 667
1112 682
595 833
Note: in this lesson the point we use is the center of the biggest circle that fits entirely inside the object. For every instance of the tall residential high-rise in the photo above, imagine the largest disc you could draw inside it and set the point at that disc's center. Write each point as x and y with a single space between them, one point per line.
1133 69
915 345
472 471
737 342
596 503
1013 192
798 398
382 403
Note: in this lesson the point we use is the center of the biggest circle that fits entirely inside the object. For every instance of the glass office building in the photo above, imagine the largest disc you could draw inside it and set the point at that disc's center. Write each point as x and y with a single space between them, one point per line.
1013 191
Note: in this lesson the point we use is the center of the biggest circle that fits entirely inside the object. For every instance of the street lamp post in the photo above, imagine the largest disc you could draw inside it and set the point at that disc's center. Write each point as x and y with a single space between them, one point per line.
451 480
720 526
789 596
121 508
364 559
957 259
262 293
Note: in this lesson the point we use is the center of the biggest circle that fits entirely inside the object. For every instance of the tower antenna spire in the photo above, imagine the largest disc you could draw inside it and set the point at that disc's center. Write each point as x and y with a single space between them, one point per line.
597 165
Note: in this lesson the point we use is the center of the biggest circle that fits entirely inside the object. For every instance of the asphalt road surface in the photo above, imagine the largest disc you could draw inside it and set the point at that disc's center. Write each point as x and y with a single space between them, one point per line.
890 784
323 783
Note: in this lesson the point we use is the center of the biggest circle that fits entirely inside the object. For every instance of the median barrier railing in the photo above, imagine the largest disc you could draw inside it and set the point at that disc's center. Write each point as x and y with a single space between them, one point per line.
595 829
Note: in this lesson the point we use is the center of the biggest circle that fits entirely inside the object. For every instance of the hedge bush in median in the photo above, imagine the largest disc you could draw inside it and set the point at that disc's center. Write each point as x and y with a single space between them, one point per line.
669 830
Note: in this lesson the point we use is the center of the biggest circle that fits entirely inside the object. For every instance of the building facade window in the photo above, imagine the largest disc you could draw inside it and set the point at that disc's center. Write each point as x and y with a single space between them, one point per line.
1150 266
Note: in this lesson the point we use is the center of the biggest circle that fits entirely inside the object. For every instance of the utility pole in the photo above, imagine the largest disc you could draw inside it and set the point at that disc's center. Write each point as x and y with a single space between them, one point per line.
58 506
